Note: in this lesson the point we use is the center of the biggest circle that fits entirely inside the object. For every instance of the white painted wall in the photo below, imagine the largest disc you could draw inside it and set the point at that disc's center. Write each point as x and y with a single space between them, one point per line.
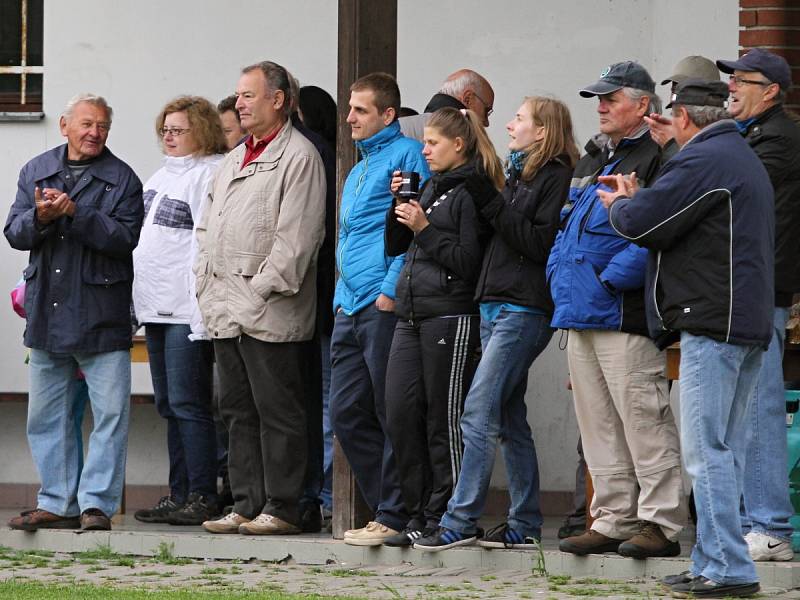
141 54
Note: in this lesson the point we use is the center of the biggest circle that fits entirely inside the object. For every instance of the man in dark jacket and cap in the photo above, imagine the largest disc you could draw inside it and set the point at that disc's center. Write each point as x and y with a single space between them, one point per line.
78 212
708 223
758 85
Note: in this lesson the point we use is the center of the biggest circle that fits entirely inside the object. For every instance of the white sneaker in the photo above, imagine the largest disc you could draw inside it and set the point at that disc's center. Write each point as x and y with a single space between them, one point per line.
228 524
374 534
764 547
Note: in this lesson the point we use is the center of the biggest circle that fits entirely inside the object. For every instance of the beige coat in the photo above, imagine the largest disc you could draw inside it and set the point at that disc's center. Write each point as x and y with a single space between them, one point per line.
258 242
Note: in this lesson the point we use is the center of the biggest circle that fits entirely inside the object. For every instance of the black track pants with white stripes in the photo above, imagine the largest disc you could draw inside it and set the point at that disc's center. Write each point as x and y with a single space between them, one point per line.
431 364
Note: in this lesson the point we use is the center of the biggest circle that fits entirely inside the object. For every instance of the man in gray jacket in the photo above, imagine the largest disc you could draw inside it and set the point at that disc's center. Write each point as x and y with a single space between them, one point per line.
256 286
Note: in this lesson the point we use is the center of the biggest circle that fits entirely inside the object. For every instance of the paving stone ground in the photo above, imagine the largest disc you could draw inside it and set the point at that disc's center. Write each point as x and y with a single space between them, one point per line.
397 582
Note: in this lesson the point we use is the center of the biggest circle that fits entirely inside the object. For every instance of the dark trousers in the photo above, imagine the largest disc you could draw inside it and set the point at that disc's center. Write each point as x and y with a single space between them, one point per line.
312 380
262 403
359 355
431 365
181 373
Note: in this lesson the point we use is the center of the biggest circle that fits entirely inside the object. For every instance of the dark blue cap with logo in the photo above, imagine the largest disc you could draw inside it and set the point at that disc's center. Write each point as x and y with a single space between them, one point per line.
619 75
773 67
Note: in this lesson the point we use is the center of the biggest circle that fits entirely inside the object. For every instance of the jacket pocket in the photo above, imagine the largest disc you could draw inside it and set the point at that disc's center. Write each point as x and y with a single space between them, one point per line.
31 287
247 307
107 289
592 301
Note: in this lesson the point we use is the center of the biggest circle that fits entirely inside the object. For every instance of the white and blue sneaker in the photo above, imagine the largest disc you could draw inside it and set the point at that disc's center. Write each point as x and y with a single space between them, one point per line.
443 539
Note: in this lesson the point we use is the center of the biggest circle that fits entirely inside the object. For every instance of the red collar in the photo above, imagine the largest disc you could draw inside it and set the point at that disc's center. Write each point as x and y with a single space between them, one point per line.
254 149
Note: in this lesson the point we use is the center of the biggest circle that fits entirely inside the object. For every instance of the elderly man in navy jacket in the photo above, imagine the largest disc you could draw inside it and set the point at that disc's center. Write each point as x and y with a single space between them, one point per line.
708 223
78 211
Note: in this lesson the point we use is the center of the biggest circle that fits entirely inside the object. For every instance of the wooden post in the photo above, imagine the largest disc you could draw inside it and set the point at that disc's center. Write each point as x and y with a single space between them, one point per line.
367 43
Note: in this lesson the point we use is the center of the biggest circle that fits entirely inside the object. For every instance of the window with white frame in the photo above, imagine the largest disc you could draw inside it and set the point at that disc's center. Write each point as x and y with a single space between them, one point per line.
21 61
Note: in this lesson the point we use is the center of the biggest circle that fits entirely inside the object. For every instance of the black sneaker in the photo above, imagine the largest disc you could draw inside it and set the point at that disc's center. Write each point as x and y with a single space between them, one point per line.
443 539
407 537
311 519
159 513
196 511
702 587
671 580
503 536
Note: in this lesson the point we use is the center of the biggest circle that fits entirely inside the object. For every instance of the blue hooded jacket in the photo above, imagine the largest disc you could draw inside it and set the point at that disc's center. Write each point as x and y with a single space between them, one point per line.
365 270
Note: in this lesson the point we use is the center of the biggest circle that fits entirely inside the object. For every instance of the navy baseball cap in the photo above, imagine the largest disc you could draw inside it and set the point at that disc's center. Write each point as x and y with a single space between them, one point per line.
619 75
773 67
700 92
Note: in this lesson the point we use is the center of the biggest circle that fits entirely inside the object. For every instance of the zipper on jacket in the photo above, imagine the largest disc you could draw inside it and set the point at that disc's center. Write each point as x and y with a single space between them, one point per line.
655 287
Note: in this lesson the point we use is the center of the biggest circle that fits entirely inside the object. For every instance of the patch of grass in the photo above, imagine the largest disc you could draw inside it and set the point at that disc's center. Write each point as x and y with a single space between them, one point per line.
214 571
100 552
124 561
19 590
166 555
350 573
147 574
488 577
96 568
558 579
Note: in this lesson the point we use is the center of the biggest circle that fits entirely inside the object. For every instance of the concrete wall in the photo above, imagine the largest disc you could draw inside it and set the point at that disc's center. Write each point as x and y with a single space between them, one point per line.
140 54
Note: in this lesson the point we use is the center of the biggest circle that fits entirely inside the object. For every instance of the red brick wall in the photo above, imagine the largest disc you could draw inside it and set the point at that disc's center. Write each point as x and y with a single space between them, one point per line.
775 26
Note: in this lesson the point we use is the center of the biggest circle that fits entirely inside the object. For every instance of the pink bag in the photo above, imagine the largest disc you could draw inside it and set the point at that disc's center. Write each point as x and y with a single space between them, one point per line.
18 298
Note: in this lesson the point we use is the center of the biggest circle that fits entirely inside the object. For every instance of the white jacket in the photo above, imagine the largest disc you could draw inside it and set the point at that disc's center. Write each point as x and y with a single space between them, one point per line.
163 284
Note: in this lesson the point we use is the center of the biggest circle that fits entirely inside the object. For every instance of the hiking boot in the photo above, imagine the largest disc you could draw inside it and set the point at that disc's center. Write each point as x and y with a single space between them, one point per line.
649 542
94 519
703 587
160 512
763 547
503 536
265 524
444 539
228 524
197 510
373 534
37 518
311 519
590 542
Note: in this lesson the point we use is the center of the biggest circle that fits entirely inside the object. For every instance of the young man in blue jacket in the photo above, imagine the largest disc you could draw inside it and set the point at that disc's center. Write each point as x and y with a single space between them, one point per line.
618 374
364 302
708 223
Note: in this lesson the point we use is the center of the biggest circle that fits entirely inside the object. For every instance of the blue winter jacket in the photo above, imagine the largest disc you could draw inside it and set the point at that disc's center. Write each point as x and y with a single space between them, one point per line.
365 270
596 276
78 281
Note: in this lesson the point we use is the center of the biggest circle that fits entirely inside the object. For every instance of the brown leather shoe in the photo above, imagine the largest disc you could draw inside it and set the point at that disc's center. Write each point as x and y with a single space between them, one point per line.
650 541
94 519
31 520
589 542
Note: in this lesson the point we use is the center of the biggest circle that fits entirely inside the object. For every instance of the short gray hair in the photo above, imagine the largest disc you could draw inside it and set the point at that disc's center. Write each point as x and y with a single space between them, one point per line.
468 80
91 99
278 78
703 116
634 94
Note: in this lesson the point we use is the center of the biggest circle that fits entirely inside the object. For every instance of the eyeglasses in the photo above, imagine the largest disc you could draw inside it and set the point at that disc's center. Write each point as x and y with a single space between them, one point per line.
173 131
739 81
489 108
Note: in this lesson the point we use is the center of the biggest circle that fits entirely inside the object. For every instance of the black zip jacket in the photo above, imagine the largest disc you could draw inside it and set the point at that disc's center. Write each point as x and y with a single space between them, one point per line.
444 259
525 218
775 139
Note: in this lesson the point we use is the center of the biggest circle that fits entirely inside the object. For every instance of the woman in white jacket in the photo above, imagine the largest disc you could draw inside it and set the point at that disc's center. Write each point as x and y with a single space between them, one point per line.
191 137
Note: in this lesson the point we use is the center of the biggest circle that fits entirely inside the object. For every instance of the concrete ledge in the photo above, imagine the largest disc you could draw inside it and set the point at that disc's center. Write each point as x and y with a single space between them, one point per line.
318 549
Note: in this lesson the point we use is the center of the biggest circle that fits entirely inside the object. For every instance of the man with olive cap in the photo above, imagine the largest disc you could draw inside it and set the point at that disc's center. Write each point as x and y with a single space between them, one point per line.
617 372
758 85
689 67
708 223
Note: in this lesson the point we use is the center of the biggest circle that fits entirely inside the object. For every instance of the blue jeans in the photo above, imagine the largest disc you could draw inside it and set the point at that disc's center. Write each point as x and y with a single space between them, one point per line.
326 494
766 505
495 408
66 489
717 381
182 385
